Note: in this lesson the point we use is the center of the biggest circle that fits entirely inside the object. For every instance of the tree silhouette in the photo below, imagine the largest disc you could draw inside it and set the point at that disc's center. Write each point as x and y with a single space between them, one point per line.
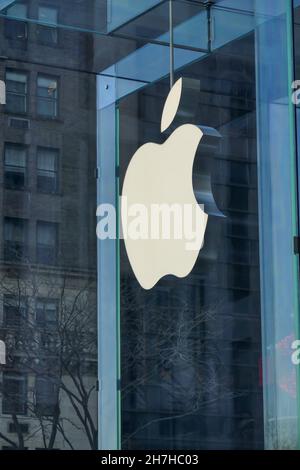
62 352
171 360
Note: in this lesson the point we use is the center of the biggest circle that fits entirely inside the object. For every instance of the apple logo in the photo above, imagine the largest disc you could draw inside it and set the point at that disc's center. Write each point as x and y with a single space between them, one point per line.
162 175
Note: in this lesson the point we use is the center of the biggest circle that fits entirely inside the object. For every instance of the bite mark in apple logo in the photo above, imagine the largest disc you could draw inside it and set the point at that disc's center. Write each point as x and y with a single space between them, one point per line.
162 174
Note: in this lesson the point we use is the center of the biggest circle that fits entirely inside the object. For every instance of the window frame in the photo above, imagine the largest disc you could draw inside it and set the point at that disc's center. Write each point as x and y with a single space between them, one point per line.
55 392
10 22
39 245
6 183
43 26
55 101
15 375
45 324
21 317
55 172
25 95
23 245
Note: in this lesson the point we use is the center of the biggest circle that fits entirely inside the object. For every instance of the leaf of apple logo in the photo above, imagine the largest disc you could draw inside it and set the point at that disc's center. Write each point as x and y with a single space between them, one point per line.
162 175
171 105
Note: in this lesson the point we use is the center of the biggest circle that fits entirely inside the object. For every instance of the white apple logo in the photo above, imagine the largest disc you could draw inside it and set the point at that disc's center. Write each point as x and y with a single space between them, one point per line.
162 174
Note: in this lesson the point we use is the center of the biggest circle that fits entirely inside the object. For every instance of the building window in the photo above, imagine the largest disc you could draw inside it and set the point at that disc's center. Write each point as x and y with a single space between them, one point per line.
47 96
47 163
46 314
16 91
15 311
47 33
15 239
15 158
46 243
16 29
14 394
238 199
239 173
239 251
46 396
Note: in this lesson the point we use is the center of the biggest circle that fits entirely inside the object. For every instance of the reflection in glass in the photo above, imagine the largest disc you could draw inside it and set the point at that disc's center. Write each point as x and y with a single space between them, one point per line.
191 348
16 91
48 314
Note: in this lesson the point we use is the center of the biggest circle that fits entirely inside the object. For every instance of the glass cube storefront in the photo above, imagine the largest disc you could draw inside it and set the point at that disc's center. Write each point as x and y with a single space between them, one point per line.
92 360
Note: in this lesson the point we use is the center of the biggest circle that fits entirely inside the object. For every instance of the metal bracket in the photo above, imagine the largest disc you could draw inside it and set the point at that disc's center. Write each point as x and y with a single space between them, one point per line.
210 26
118 384
297 245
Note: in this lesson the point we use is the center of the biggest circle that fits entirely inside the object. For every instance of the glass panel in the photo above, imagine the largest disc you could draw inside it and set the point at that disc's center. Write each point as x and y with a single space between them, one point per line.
16 30
16 92
15 156
108 369
46 233
14 79
48 34
122 11
47 170
15 311
47 87
154 411
18 10
232 22
14 229
47 159
46 313
46 397
15 238
14 393
191 347
190 359
15 166
140 19
278 223
190 25
102 16
47 96
48 15
48 242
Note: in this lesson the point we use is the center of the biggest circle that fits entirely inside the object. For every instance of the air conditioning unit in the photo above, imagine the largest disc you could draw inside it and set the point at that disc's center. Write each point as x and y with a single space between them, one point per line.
19 123
24 428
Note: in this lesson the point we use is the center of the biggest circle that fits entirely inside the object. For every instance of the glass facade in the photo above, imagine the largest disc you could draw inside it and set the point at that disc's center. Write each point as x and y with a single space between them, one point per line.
93 360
